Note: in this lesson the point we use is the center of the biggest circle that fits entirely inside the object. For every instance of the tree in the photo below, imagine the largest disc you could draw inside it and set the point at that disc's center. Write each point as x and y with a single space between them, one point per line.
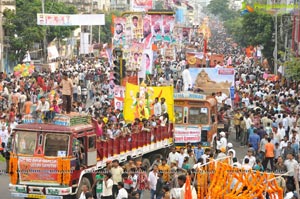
22 31
105 31
292 67
221 9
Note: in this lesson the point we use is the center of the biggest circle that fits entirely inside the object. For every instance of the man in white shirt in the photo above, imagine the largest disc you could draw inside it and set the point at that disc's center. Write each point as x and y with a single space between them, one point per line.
84 189
222 143
42 107
281 131
181 183
291 164
122 192
157 107
173 156
152 179
250 157
181 157
187 79
107 185
116 172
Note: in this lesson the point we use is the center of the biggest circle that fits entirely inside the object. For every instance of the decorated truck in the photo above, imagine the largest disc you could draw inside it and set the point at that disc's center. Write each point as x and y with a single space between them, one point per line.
195 119
53 160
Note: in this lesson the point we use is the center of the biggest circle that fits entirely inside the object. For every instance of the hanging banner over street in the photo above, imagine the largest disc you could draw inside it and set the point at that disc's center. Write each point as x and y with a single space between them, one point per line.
70 20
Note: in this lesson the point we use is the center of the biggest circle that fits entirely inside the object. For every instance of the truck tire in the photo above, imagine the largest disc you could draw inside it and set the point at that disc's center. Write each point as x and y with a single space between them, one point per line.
83 181
146 163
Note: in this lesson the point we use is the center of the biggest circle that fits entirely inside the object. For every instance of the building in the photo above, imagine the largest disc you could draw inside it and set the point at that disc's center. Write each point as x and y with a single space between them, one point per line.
122 5
296 31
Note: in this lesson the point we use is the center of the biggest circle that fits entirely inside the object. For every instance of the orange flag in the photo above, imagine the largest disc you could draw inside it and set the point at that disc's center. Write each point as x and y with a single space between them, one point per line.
112 27
188 191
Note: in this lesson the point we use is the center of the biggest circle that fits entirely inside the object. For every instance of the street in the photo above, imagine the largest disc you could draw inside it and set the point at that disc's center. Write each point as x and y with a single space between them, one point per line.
4 178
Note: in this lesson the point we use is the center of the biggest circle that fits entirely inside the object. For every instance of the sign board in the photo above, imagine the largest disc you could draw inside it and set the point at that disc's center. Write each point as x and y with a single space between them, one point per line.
184 134
189 95
70 19
62 120
36 169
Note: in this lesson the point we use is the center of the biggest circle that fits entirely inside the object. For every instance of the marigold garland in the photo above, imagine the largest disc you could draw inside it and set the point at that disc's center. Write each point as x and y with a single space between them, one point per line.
248 184
13 170
66 172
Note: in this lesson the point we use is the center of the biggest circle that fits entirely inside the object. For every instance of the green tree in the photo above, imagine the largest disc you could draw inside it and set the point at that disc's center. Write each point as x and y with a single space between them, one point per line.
292 67
105 30
221 9
22 31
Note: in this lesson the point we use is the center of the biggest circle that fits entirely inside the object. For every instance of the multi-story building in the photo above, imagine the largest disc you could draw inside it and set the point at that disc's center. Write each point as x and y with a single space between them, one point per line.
122 5
296 31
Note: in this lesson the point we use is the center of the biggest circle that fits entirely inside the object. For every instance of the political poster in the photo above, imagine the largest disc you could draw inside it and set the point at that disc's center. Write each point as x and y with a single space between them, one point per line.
136 54
146 65
138 102
185 35
147 32
142 5
119 94
211 80
157 22
135 23
119 38
168 25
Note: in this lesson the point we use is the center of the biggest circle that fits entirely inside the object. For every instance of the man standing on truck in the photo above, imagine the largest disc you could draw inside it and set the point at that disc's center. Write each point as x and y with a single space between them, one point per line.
67 91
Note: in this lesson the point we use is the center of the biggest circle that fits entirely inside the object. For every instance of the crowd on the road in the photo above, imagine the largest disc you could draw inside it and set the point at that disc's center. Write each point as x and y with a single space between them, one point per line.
264 113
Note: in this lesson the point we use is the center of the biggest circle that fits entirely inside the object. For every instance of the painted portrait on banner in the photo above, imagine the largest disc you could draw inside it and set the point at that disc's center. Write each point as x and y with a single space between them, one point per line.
142 5
119 95
146 64
185 35
168 25
157 22
147 32
136 26
136 50
119 34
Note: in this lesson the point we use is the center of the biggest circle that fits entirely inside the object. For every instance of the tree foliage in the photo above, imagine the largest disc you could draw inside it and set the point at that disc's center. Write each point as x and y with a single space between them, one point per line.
22 31
221 9
292 67
105 30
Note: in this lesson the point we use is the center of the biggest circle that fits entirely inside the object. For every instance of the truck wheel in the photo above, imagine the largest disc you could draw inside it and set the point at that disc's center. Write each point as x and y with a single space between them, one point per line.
146 163
83 181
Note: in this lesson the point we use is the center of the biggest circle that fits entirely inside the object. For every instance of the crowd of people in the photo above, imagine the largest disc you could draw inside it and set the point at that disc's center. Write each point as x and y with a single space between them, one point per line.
264 114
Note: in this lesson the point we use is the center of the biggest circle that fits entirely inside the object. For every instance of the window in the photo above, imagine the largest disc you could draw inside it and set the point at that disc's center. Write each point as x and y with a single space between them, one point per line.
178 114
56 145
92 141
198 115
25 142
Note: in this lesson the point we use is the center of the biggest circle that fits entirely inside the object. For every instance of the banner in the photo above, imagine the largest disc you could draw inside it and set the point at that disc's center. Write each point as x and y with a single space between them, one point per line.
157 22
135 25
135 59
183 134
52 52
212 79
119 94
139 101
168 26
35 169
119 38
70 20
147 32
142 5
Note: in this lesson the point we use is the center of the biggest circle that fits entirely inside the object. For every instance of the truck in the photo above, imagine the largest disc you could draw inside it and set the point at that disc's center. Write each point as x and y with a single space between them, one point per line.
53 160
196 119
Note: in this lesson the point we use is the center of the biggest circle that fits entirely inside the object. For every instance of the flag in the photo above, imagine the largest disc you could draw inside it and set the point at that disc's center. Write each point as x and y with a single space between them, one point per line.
188 190
112 27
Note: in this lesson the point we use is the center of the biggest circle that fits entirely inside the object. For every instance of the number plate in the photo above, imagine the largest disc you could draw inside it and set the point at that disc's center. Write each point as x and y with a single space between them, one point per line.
37 196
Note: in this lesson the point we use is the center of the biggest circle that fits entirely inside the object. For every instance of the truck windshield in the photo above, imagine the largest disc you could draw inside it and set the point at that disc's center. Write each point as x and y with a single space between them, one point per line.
25 142
56 145
178 114
198 115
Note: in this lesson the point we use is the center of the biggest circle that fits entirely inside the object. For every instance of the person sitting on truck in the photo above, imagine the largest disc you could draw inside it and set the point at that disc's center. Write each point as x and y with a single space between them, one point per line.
42 107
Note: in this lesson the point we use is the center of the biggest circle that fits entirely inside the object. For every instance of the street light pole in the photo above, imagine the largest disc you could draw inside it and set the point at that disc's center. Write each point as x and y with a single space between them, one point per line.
44 39
275 50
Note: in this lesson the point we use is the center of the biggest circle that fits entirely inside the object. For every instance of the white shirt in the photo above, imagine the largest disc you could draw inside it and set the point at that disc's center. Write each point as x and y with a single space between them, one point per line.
290 165
43 107
82 196
107 187
152 180
222 143
173 157
181 159
252 160
187 79
281 132
157 109
122 194
289 195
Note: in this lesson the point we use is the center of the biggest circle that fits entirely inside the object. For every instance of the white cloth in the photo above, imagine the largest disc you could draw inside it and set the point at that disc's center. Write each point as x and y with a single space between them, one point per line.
187 79
82 196
222 143
107 187
43 107
157 109
152 178
122 194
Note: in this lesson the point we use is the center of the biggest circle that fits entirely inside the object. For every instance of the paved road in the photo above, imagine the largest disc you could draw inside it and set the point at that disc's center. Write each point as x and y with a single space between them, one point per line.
4 179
